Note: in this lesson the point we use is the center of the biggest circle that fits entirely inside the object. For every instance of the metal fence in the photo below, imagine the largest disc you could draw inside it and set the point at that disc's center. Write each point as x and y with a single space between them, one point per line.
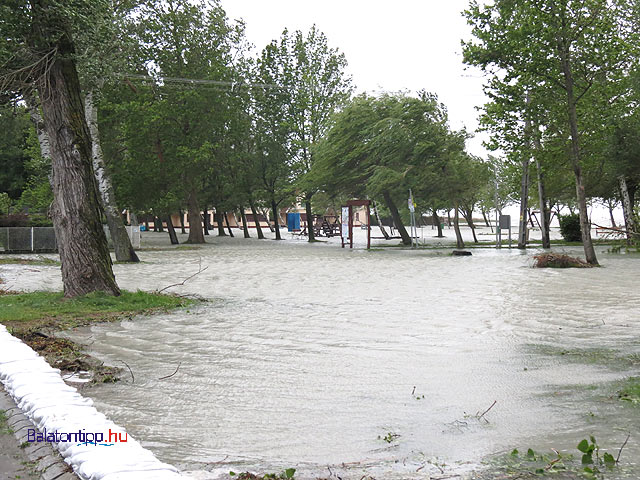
27 239
43 239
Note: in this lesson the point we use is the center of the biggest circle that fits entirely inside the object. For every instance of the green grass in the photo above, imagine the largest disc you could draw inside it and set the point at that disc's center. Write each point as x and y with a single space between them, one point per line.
4 427
29 261
631 391
40 305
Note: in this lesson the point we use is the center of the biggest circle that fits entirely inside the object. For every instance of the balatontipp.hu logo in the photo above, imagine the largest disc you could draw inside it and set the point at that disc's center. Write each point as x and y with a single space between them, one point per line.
81 437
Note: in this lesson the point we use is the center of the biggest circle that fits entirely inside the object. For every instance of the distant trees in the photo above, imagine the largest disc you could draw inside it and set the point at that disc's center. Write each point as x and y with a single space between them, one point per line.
381 147
558 71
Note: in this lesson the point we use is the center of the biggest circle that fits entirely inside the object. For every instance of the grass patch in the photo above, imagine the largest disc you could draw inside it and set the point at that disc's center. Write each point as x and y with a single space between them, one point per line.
43 261
52 305
5 429
34 317
631 392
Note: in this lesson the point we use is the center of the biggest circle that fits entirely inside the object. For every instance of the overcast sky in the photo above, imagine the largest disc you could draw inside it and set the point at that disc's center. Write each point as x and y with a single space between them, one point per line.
390 45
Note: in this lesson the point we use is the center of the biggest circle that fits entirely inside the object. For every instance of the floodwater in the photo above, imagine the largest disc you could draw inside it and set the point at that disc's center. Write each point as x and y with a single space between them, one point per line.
309 356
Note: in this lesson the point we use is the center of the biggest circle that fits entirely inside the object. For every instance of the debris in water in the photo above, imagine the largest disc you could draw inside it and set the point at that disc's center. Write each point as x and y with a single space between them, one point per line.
555 260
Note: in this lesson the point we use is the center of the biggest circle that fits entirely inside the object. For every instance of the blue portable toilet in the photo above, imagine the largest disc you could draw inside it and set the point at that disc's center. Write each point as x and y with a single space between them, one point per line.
293 222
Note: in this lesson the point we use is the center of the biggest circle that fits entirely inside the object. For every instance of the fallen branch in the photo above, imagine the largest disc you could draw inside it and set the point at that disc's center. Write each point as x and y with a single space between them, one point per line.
487 410
133 379
200 270
169 376
623 445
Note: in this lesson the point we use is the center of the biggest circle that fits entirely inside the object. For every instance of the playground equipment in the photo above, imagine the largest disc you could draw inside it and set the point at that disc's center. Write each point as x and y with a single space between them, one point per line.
347 221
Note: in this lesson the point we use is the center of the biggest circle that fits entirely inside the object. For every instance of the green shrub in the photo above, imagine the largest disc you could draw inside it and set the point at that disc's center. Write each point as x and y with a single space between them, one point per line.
570 227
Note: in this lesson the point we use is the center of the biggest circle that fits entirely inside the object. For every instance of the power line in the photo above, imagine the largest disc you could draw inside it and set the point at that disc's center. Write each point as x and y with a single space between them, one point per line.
199 81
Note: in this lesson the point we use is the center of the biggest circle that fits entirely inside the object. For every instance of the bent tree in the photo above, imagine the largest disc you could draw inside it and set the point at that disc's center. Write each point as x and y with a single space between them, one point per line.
572 50
37 51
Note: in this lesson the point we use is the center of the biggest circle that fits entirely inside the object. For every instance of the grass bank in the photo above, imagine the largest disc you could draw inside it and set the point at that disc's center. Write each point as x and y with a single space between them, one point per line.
36 317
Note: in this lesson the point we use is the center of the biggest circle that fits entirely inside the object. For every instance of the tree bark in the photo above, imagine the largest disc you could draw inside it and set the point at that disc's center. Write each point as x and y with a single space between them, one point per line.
627 208
276 226
610 207
486 220
205 222
181 213
196 232
397 220
382 229
456 227
265 215
468 215
220 221
121 242
245 227
256 220
585 227
172 231
158 223
524 203
38 122
226 219
436 220
542 198
310 230
75 210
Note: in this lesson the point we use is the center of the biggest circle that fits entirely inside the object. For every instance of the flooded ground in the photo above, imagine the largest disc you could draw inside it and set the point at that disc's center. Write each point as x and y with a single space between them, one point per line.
379 363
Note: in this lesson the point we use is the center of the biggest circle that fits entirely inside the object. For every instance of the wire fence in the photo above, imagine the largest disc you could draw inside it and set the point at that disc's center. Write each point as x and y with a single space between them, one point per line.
43 239
27 239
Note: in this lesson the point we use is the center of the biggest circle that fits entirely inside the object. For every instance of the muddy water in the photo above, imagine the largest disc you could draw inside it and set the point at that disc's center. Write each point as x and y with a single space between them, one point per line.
309 356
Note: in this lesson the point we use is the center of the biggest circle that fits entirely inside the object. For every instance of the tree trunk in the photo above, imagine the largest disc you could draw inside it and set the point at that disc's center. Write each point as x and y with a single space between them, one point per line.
36 118
524 201
75 210
276 226
121 242
245 227
382 229
172 231
158 222
436 220
542 198
310 230
468 215
486 220
585 227
196 232
449 218
397 220
627 208
205 221
226 219
146 222
611 207
256 220
264 214
456 227
220 222
181 213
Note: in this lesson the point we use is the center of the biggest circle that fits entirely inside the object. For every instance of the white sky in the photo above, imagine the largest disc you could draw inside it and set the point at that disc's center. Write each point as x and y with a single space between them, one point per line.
390 45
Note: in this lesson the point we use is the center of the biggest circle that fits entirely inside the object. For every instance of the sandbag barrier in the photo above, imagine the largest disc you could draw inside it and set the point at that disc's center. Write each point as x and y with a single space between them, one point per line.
94 446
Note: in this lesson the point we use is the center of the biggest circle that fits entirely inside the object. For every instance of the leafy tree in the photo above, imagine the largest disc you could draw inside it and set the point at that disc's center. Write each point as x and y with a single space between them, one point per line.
313 84
13 145
37 51
568 53
382 147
